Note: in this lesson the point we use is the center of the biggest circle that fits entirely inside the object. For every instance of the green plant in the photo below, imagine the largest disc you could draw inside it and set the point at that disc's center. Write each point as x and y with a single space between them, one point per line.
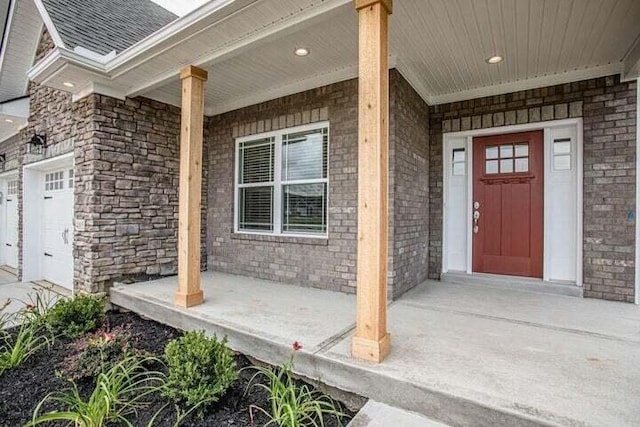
201 369
118 393
77 316
15 349
37 307
98 352
292 405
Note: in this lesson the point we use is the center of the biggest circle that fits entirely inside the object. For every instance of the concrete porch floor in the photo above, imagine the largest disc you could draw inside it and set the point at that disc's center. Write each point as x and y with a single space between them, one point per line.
463 355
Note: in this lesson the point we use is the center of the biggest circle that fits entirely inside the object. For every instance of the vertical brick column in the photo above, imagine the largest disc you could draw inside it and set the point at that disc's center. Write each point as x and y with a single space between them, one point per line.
372 341
190 199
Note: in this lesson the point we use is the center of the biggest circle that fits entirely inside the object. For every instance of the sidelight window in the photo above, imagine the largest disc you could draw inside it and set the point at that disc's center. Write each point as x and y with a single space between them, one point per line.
282 182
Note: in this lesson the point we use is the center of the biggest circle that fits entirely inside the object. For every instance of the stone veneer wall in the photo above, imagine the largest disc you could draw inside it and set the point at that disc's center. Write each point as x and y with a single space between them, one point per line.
331 263
409 181
127 172
10 147
608 108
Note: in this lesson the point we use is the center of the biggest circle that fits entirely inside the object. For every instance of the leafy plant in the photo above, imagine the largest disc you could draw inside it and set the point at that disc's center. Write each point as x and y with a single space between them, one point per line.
201 369
16 349
118 393
77 316
98 352
37 307
292 405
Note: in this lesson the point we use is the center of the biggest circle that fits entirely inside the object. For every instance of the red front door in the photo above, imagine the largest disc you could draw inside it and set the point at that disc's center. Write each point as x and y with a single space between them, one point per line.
508 204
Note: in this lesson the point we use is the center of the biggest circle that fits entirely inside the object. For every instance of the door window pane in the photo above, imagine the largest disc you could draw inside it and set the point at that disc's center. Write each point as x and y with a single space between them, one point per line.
459 162
522 150
506 166
562 146
491 166
522 165
506 151
562 162
491 152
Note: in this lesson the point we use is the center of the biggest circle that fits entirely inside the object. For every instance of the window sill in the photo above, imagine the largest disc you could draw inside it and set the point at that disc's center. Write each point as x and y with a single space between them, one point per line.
299 240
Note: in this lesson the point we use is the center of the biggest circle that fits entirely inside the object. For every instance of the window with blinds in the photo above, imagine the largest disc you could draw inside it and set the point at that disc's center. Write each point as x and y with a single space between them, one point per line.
282 182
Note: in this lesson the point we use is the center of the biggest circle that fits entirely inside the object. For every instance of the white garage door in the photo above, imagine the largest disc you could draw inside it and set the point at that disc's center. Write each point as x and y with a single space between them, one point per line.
57 227
10 236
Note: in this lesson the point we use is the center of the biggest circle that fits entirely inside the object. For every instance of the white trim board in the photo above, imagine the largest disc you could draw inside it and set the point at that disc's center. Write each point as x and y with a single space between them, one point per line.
464 139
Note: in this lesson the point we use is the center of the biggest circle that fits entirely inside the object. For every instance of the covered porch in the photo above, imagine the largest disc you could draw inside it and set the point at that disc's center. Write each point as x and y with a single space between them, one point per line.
463 354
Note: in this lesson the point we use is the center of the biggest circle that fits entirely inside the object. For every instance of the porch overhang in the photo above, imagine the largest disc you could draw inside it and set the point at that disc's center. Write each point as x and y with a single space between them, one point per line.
247 46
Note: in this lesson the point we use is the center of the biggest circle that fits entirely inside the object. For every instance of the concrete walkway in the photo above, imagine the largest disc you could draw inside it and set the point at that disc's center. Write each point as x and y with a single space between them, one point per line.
462 355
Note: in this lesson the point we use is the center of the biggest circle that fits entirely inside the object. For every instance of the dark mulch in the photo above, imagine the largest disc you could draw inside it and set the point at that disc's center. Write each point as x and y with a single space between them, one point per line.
22 388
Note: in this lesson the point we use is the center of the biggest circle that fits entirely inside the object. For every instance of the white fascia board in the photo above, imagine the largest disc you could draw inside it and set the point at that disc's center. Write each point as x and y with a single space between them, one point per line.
7 31
58 58
533 83
48 22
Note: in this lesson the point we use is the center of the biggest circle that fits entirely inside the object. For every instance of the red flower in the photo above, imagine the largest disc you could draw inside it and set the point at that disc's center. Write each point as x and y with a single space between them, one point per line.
30 307
297 346
108 337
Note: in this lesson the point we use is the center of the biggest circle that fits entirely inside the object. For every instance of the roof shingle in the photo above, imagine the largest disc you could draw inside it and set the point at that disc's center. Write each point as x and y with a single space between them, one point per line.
106 25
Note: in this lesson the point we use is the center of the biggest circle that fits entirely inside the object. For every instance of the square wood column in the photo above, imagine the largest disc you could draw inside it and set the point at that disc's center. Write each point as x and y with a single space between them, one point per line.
190 198
372 341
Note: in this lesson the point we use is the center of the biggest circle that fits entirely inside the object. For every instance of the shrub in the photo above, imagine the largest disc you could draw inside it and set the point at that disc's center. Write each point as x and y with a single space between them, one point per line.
201 369
98 352
292 405
77 316
118 393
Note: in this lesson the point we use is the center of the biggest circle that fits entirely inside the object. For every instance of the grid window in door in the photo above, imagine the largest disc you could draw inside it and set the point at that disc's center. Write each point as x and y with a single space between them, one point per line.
12 187
507 158
54 181
282 182
459 162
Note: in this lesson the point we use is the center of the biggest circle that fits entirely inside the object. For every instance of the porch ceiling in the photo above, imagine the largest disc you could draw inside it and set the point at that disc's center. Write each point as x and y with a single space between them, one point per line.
440 46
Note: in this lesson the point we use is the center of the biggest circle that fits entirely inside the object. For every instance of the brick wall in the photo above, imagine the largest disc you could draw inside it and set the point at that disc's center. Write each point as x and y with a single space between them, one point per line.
126 196
608 109
331 263
409 181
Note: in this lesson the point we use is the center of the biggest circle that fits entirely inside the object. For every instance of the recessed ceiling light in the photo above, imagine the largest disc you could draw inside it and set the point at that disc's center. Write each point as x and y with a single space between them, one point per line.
301 51
496 59
8 120
68 84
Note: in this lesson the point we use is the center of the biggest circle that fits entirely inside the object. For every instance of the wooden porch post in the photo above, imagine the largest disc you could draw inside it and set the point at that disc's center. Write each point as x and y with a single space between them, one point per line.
190 199
372 341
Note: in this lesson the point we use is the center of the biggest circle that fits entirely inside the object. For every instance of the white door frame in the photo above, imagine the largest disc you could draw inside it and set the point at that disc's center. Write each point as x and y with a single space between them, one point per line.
545 127
5 177
32 194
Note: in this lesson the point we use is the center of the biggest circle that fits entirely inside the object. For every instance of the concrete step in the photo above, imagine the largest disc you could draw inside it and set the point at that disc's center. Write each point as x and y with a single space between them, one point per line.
376 414
513 283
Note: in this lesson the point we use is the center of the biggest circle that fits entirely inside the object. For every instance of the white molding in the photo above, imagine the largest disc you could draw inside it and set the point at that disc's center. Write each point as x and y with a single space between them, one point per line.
545 126
632 63
9 174
520 85
7 31
99 88
637 260
48 22
53 162
277 181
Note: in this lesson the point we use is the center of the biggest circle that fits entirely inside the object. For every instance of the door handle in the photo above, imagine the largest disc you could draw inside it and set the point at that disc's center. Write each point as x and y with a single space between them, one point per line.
8 244
65 236
476 217
48 254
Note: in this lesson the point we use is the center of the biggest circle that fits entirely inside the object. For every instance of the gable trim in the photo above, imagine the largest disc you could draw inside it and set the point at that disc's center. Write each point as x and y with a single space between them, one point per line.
48 22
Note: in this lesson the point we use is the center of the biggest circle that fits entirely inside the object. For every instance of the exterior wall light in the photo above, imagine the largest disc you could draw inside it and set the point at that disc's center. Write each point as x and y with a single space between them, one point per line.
37 144
3 161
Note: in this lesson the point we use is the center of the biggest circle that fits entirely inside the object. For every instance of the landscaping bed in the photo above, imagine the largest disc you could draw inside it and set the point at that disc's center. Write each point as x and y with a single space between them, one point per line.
52 369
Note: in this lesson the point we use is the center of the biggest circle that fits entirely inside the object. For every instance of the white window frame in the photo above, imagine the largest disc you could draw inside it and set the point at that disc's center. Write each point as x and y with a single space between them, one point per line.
277 182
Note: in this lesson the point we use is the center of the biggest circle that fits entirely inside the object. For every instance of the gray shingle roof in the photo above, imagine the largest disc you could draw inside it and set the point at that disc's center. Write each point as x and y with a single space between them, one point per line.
106 25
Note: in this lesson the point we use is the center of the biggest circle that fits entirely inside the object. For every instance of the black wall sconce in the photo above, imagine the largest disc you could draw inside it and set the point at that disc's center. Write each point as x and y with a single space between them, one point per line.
37 144
3 161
